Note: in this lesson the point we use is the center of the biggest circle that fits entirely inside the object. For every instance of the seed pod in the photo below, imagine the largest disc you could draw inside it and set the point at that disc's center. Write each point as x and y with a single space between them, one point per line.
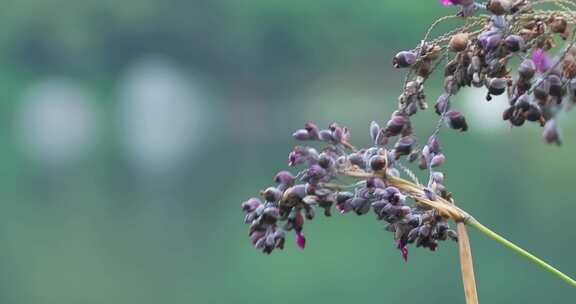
456 121
527 69
559 25
569 66
458 42
404 59
514 43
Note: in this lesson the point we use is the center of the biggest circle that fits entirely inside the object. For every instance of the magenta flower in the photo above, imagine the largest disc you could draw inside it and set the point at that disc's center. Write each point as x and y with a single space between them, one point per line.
300 240
449 2
403 250
541 60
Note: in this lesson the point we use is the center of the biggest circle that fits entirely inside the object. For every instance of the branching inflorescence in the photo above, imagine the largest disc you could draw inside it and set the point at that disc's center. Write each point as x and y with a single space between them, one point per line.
504 46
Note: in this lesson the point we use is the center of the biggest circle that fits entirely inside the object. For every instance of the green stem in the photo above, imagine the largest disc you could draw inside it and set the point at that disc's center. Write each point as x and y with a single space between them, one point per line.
493 235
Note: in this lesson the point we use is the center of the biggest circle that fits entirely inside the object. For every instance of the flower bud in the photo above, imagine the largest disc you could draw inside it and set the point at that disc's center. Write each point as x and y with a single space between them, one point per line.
357 160
497 86
542 90
378 162
442 104
272 194
396 125
312 130
551 133
517 120
527 69
404 59
284 179
301 134
404 145
514 43
458 42
326 135
437 160
534 113
251 204
374 131
456 121
555 85
499 7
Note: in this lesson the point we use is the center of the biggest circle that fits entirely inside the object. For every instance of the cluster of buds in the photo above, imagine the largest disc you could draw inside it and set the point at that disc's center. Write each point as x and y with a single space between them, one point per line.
482 54
295 198
479 54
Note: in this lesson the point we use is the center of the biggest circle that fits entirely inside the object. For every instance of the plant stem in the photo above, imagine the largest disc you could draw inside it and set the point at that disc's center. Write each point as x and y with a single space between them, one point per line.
493 235
466 265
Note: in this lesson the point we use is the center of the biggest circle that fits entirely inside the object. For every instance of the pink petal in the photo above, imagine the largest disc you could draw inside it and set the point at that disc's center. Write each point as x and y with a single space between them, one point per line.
446 2
403 250
541 60
300 240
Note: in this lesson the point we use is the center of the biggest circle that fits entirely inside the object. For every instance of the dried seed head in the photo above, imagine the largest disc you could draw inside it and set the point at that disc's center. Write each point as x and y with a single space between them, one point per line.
458 42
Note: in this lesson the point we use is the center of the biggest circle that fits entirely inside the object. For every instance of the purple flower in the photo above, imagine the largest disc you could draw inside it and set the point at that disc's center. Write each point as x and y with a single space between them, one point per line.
541 60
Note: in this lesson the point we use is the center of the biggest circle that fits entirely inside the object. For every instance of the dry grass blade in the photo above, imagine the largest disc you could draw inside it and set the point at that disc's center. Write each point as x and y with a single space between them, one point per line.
467 265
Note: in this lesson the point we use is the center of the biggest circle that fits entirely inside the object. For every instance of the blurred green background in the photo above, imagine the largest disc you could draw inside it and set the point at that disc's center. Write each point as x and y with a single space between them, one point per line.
132 131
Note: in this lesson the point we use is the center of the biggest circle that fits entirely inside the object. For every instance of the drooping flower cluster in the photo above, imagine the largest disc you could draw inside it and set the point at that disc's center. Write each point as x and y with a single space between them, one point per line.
286 206
482 53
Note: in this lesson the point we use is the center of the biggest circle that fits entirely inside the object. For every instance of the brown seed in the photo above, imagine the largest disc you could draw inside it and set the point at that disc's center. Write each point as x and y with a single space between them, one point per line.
559 25
499 7
459 42
569 66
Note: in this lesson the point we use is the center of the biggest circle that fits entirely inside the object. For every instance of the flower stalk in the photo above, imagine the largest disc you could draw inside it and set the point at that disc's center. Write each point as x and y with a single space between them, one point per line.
450 210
